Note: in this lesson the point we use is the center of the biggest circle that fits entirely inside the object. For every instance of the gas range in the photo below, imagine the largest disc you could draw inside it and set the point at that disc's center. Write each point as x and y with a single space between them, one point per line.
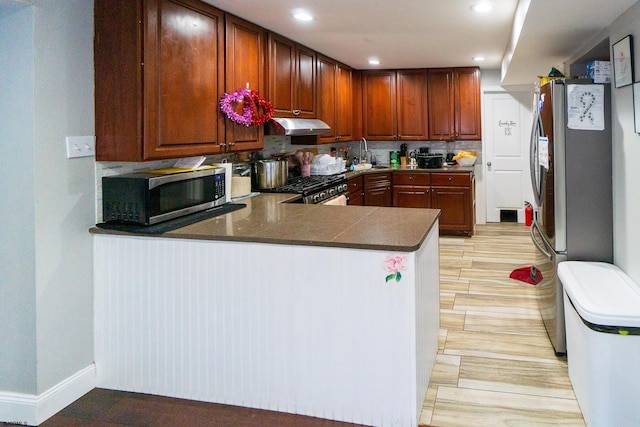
316 188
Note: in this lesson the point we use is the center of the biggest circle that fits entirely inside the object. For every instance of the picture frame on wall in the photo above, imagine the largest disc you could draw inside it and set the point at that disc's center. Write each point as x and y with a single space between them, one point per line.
623 62
636 106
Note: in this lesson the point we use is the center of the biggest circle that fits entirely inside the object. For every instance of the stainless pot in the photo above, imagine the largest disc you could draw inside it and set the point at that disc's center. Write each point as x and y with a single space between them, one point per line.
268 174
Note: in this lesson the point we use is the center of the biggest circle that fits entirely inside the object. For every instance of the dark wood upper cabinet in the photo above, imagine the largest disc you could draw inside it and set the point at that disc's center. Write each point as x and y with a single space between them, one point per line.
395 105
379 105
291 76
158 78
335 100
244 65
467 103
454 104
412 105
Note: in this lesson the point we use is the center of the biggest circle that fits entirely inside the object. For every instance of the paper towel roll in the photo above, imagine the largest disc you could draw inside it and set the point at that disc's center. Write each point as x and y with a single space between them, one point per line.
227 180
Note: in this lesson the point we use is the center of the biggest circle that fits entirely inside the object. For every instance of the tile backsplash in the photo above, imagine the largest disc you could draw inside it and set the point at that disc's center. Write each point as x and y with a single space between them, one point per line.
274 144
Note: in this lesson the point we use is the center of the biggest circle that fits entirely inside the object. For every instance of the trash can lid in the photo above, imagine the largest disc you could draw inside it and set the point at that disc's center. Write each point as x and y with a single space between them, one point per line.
601 293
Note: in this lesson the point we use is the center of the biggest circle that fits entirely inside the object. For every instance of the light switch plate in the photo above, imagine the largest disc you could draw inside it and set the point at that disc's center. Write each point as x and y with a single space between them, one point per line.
81 146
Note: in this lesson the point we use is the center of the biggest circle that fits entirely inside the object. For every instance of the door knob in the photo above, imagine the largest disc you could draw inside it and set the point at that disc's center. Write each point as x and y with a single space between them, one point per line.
489 164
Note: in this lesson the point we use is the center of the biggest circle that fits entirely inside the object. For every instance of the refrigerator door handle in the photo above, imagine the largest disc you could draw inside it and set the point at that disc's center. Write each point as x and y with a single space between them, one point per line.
536 227
536 131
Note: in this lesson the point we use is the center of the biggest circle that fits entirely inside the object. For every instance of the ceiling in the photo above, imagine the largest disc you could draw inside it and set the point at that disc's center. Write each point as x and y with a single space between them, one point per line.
439 33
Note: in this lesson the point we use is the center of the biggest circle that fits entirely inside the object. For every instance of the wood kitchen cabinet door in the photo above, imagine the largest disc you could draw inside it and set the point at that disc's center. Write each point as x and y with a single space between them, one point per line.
379 105
441 104
454 104
344 103
395 105
454 195
467 103
291 75
158 69
356 191
412 106
411 190
244 64
377 189
334 100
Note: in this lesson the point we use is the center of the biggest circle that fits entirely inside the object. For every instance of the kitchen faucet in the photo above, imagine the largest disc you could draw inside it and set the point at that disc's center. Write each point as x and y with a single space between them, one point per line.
363 159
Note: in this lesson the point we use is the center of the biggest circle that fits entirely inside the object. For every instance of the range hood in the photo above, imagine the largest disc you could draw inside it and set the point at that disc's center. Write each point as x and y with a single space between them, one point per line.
295 127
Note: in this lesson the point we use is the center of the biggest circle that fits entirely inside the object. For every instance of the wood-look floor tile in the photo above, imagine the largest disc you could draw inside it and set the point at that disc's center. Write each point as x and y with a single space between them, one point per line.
427 406
506 323
500 346
454 285
455 263
452 319
513 376
449 273
512 288
498 256
464 407
486 275
447 300
442 339
495 304
508 373
445 370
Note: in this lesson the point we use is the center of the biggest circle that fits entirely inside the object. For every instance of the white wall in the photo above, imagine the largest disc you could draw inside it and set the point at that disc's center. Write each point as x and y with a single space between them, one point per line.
46 300
17 233
626 152
626 148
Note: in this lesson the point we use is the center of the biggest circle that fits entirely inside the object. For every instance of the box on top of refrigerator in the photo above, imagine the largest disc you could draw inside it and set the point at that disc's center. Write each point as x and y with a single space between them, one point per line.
599 71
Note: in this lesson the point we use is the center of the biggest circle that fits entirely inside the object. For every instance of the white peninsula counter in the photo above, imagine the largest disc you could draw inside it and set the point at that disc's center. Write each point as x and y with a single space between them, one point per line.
327 311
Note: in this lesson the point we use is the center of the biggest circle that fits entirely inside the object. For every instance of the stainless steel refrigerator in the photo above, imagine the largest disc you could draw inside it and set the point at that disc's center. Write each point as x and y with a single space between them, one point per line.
571 174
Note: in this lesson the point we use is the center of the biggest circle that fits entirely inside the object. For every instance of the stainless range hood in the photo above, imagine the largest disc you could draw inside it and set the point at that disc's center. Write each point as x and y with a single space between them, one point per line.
296 127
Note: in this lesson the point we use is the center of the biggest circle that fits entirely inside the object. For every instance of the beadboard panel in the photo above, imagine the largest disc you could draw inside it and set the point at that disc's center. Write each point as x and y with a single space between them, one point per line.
308 330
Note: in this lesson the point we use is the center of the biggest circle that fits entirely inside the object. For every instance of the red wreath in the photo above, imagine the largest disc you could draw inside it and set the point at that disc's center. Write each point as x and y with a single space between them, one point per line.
264 104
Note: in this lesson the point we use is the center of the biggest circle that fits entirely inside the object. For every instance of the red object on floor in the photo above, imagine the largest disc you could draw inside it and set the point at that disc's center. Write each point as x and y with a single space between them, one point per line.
530 275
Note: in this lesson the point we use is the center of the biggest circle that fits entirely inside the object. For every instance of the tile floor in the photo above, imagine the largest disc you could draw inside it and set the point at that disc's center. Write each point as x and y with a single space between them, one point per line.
495 364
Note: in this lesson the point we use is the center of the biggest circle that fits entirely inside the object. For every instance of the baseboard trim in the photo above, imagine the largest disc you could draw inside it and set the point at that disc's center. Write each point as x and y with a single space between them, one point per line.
31 409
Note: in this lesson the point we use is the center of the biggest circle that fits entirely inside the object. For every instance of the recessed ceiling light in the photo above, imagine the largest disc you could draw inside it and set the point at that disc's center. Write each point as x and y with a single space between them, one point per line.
302 15
374 61
482 7
478 58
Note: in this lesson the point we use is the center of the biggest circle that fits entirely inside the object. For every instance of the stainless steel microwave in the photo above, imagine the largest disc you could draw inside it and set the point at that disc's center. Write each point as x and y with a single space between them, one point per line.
149 198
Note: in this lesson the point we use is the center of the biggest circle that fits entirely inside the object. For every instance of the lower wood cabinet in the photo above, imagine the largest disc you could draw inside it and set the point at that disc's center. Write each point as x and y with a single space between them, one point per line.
452 193
356 191
377 189
411 190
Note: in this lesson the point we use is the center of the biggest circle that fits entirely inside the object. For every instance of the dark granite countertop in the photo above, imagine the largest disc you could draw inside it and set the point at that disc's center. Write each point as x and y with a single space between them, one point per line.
268 218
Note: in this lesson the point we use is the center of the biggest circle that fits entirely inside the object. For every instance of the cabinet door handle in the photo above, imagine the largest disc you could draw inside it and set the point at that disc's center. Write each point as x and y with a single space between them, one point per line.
296 112
223 145
450 179
231 144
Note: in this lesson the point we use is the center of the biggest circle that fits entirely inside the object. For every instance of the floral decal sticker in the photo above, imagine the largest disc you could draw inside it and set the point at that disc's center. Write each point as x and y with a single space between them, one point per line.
394 264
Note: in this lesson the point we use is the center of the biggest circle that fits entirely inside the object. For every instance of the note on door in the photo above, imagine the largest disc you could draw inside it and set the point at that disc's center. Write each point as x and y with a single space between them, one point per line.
585 107
543 151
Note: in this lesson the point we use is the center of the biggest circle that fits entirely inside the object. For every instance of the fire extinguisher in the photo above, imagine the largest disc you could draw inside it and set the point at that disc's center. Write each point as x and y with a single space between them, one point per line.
528 214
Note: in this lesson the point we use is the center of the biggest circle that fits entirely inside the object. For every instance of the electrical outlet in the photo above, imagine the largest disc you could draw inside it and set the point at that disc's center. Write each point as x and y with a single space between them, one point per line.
81 146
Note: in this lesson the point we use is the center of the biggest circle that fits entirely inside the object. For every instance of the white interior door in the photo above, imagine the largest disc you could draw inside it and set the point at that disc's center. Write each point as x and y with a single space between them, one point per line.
508 119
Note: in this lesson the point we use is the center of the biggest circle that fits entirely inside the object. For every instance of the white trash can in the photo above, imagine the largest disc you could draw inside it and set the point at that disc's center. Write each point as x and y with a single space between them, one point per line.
602 316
